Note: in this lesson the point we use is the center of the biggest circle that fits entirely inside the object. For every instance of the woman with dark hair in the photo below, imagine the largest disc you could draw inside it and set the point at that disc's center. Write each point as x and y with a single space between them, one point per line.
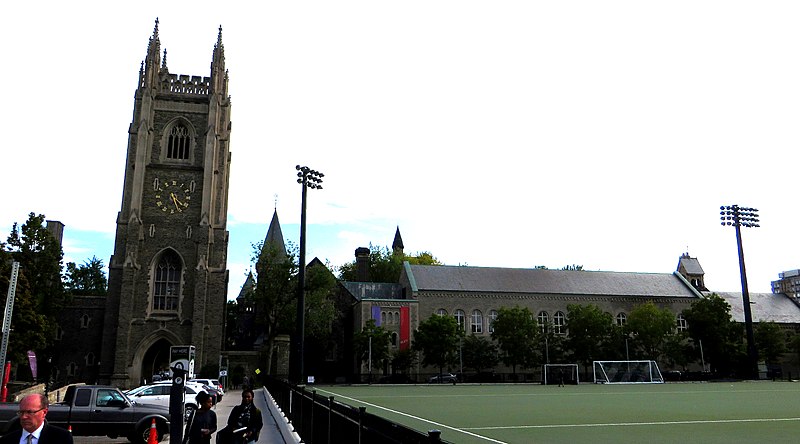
203 422
245 420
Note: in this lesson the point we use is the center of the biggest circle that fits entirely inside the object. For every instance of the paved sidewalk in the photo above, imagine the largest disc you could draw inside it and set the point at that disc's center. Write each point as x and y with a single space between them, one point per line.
275 430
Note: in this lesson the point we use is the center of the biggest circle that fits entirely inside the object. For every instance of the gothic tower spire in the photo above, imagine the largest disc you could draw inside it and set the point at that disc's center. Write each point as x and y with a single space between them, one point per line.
397 245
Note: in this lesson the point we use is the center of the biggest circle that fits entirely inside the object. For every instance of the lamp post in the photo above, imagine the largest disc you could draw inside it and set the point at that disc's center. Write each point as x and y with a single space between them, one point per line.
733 215
308 178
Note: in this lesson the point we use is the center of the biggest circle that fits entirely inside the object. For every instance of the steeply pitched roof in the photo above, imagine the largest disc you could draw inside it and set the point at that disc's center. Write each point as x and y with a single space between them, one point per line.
275 235
249 284
691 265
525 280
764 307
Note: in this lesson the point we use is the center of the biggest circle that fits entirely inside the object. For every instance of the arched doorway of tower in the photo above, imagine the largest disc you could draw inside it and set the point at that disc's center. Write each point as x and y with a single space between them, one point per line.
155 362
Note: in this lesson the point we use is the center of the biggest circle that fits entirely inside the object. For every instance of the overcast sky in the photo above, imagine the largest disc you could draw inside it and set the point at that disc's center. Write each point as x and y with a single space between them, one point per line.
493 133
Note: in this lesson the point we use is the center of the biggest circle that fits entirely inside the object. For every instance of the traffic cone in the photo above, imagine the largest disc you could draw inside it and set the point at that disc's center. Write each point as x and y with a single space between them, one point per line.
153 438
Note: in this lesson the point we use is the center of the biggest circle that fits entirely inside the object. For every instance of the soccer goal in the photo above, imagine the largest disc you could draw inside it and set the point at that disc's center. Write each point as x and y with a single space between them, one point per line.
560 374
627 372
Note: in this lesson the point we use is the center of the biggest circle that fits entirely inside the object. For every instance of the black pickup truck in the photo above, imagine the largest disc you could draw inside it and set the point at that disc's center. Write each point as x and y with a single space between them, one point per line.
95 410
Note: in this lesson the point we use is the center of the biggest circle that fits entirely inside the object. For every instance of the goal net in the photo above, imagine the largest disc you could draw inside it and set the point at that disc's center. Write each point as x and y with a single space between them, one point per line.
560 374
627 372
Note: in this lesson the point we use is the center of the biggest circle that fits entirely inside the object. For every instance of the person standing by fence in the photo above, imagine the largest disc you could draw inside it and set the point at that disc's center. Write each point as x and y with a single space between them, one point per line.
244 422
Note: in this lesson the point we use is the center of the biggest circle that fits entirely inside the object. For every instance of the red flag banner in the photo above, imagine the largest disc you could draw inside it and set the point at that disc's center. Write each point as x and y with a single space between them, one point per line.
405 329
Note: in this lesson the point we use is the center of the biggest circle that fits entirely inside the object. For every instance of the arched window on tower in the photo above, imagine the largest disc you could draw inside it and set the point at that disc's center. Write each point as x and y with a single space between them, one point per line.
166 291
178 142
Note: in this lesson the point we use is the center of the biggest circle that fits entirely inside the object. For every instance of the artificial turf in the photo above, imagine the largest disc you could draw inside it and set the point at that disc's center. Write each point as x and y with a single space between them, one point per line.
739 412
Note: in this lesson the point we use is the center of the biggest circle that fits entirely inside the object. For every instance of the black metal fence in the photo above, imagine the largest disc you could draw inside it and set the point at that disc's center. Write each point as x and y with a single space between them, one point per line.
323 420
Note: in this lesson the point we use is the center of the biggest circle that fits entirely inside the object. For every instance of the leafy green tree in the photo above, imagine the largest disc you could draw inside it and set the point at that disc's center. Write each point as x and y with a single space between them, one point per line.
29 327
552 346
589 327
678 351
771 341
479 353
319 307
516 333
372 341
87 279
40 257
650 326
385 265
403 360
275 292
40 292
710 325
437 338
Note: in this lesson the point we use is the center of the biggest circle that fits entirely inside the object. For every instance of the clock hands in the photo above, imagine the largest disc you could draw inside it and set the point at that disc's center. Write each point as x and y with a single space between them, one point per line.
178 204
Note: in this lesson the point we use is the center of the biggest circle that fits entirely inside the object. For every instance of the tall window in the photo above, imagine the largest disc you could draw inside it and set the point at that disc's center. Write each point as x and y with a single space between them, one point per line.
621 319
682 325
167 282
441 312
477 321
542 319
178 142
492 318
559 323
461 319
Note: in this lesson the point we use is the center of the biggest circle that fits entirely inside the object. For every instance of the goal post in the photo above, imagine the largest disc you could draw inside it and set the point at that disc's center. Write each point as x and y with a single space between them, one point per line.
560 374
627 372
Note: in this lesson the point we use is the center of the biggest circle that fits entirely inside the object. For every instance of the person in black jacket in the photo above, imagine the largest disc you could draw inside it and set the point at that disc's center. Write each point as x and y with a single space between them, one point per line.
246 418
32 412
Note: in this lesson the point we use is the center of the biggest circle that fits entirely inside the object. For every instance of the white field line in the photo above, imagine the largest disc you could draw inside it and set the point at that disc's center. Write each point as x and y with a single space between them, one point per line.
626 424
415 417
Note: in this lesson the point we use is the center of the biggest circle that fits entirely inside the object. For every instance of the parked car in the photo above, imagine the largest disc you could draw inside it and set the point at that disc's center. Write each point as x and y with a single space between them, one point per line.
214 383
95 410
444 378
158 394
198 387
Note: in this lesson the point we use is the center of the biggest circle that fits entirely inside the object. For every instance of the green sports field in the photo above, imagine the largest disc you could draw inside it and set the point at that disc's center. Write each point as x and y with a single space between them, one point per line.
741 412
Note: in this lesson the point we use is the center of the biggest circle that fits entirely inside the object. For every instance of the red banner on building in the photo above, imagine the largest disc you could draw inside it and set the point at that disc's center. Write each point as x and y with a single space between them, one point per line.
405 329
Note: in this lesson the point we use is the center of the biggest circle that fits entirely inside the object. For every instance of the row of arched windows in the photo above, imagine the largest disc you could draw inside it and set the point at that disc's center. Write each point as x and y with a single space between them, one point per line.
558 321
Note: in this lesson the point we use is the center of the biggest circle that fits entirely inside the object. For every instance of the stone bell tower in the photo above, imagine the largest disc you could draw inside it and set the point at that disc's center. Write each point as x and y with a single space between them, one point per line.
168 274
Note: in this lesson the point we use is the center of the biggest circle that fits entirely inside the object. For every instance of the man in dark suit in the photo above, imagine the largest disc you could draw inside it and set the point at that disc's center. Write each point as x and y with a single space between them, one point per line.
32 411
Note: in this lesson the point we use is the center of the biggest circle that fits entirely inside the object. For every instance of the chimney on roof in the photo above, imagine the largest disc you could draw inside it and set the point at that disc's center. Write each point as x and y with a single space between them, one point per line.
56 228
362 264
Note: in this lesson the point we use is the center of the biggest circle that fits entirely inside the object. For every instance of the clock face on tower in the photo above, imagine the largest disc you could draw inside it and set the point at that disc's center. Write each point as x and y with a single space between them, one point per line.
173 196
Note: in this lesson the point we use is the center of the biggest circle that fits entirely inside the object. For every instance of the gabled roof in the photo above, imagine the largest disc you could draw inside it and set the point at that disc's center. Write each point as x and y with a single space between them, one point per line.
565 282
691 265
767 307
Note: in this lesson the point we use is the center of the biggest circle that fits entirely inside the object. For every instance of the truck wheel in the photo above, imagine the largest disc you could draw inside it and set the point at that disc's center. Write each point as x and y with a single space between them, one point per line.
143 434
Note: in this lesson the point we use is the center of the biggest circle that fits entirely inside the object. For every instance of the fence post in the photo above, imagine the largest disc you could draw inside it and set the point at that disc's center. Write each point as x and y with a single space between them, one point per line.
311 429
330 414
434 435
361 411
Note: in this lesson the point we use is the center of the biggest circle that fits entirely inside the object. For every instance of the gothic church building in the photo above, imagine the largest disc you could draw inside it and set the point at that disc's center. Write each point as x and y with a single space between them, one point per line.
168 273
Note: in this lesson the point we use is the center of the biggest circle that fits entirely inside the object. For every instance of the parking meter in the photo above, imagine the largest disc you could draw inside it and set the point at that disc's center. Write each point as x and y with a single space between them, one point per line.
176 409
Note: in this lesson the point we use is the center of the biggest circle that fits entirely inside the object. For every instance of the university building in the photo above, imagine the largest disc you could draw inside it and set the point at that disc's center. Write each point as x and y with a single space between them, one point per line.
168 273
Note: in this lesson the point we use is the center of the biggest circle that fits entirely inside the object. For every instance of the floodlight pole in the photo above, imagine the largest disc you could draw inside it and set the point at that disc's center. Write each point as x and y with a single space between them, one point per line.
308 178
733 215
